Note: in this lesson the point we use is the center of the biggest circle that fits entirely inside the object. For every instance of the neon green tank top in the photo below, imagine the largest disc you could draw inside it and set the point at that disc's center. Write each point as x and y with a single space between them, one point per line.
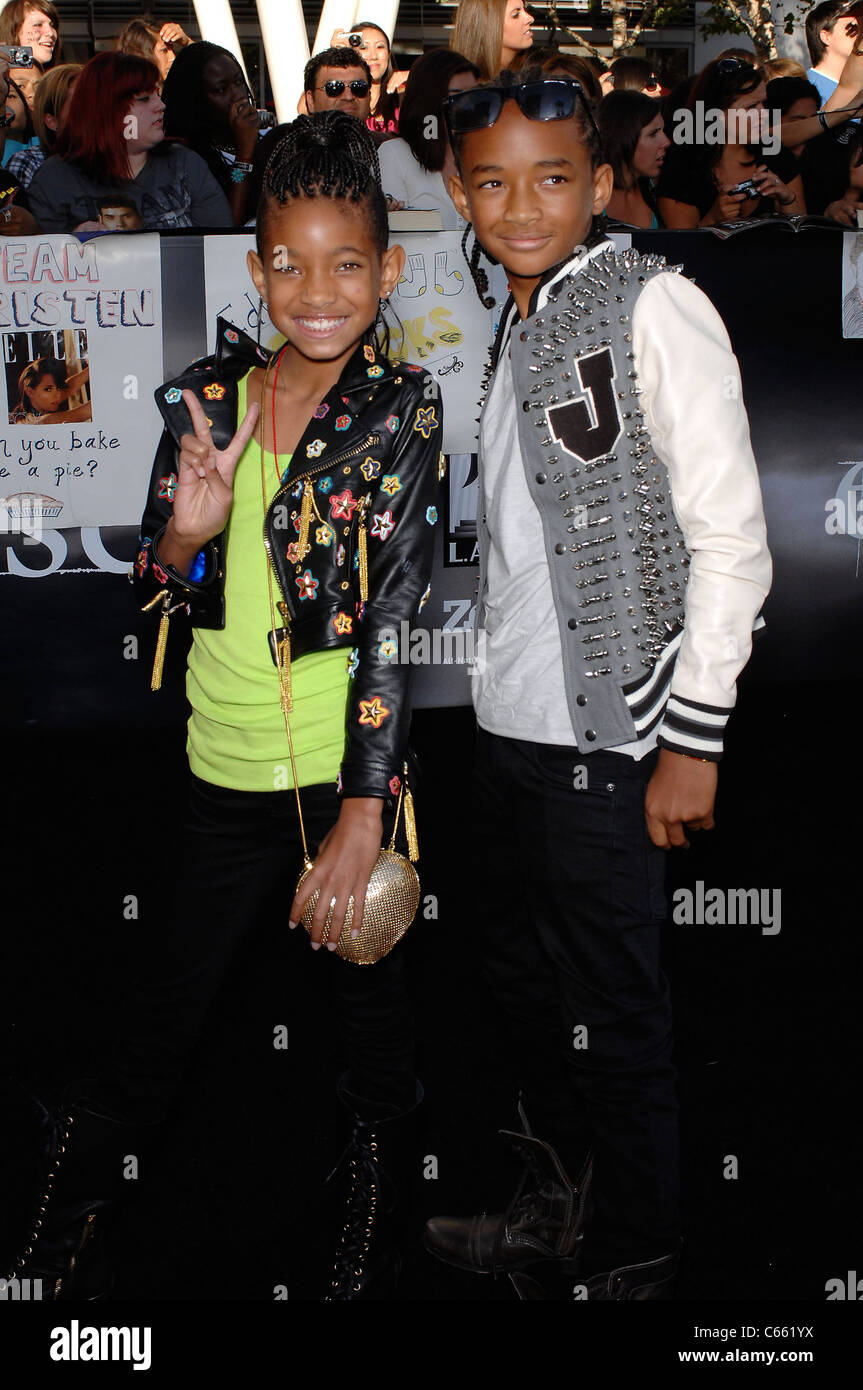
236 732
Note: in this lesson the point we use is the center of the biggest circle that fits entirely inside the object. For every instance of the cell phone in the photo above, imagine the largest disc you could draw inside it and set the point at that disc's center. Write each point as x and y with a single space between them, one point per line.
16 57
355 40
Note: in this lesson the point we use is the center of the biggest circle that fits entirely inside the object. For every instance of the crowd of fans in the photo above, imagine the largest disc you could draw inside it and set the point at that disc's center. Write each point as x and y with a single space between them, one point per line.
162 131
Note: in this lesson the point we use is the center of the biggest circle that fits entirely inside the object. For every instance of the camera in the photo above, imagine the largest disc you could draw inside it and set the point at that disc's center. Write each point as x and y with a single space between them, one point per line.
749 187
355 40
16 57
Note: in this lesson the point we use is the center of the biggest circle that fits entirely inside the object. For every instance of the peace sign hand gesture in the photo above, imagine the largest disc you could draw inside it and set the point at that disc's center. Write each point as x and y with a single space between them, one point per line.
204 493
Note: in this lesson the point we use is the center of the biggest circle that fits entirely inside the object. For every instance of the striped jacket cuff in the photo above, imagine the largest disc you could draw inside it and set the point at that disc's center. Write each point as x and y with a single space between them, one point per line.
692 728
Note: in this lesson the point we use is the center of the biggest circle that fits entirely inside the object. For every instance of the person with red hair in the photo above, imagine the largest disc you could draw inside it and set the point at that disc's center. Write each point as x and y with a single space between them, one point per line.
113 142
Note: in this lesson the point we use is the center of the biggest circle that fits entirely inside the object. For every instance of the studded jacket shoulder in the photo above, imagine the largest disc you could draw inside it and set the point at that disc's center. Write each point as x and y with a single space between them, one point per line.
350 533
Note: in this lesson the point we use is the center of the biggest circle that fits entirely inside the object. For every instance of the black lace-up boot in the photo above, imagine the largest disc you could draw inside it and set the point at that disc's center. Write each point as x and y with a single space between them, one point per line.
649 1280
82 1152
377 1171
543 1221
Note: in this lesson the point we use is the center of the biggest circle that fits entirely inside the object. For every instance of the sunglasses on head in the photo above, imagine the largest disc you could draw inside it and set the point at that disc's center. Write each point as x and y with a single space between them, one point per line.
550 99
335 87
728 65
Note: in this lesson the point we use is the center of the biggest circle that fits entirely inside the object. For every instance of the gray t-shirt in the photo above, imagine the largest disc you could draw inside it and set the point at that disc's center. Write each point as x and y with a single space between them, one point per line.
174 189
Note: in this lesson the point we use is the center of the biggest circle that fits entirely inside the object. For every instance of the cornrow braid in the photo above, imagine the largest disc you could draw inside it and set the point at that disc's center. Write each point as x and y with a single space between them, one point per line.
329 154
477 274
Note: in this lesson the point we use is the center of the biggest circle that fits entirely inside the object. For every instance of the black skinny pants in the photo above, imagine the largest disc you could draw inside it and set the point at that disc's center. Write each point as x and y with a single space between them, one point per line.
572 899
236 847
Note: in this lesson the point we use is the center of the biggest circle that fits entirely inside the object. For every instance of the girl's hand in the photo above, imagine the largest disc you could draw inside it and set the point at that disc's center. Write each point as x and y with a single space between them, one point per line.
844 209
397 81
204 493
681 792
244 128
172 34
727 206
771 186
342 870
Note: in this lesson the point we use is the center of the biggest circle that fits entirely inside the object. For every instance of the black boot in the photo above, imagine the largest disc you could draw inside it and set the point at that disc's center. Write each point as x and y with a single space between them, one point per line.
82 1154
543 1221
654 1279
377 1168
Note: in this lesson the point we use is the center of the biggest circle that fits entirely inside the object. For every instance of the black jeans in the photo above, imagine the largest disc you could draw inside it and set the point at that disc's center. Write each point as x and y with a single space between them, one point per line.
572 899
237 846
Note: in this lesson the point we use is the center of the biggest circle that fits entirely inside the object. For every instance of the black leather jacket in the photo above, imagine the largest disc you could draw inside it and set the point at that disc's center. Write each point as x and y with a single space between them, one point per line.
369 460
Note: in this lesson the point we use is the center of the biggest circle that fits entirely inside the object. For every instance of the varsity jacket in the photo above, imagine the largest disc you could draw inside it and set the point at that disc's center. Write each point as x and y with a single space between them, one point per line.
649 498
350 534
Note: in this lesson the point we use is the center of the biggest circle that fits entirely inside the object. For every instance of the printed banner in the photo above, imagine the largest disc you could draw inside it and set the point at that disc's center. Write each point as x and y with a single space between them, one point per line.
81 338
229 290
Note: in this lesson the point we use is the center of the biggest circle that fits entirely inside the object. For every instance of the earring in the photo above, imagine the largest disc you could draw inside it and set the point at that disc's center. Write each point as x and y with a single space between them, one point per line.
261 306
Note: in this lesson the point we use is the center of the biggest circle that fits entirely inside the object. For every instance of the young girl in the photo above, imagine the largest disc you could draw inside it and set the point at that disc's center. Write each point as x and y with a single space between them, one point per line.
293 493
622 566
43 388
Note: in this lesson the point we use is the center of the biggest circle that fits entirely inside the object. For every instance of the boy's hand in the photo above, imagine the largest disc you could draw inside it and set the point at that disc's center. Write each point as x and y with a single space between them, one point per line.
680 793
204 493
342 870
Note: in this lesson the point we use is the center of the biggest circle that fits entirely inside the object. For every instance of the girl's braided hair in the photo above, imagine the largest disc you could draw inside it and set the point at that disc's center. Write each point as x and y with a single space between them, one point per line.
329 154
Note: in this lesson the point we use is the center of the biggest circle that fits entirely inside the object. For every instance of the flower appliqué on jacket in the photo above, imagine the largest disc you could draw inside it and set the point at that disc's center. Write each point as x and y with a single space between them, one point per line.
373 712
214 392
392 423
231 335
426 421
343 624
340 555
307 585
395 786
293 552
315 449
343 422
320 411
382 524
391 483
368 353
167 486
374 371
173 395
343 504
370 468
325 485
388 650
431 515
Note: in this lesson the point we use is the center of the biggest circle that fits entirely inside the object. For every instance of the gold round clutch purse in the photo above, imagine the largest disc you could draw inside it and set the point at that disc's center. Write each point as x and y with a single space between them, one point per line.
392 899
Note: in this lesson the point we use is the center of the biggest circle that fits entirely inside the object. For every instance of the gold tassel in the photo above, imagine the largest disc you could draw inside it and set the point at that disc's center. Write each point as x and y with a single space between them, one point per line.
161 644
283 658
305 520
364 564
411 826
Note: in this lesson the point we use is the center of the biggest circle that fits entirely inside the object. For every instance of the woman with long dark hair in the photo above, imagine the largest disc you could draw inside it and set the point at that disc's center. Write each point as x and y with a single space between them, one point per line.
634 144
113 142
376 52
415 169
704 183
209 106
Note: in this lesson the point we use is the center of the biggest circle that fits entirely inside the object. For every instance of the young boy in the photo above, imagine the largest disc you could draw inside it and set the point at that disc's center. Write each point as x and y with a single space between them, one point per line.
623 563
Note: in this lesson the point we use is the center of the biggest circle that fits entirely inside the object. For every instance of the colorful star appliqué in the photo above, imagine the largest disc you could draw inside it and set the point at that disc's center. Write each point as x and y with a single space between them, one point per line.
388 650
343 504
409 367
382 524
391 483
307 585
167 486
343 422
431 515
173 395
160 573
315 449
370 469
374 371
215 392
231 335
325 484
392 423
340 555
368 353
353 662
343 624
325 535
426 421
373 712
395 786
293 552
320 411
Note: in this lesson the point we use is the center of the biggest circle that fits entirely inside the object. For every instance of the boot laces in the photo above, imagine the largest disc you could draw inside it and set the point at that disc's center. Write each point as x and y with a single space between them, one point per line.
358 1230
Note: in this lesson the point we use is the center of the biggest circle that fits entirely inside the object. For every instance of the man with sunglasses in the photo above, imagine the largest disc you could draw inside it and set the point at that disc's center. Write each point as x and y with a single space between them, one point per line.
622 564
338 78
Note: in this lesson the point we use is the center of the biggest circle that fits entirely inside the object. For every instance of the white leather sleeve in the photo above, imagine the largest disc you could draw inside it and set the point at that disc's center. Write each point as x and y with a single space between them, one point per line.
693 407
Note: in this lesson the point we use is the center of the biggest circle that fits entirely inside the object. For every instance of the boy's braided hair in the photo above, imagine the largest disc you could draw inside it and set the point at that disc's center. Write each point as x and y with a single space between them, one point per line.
329 154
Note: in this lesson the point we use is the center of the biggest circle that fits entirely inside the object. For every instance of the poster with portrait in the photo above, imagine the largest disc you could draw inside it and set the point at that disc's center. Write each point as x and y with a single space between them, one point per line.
81 342
852 285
